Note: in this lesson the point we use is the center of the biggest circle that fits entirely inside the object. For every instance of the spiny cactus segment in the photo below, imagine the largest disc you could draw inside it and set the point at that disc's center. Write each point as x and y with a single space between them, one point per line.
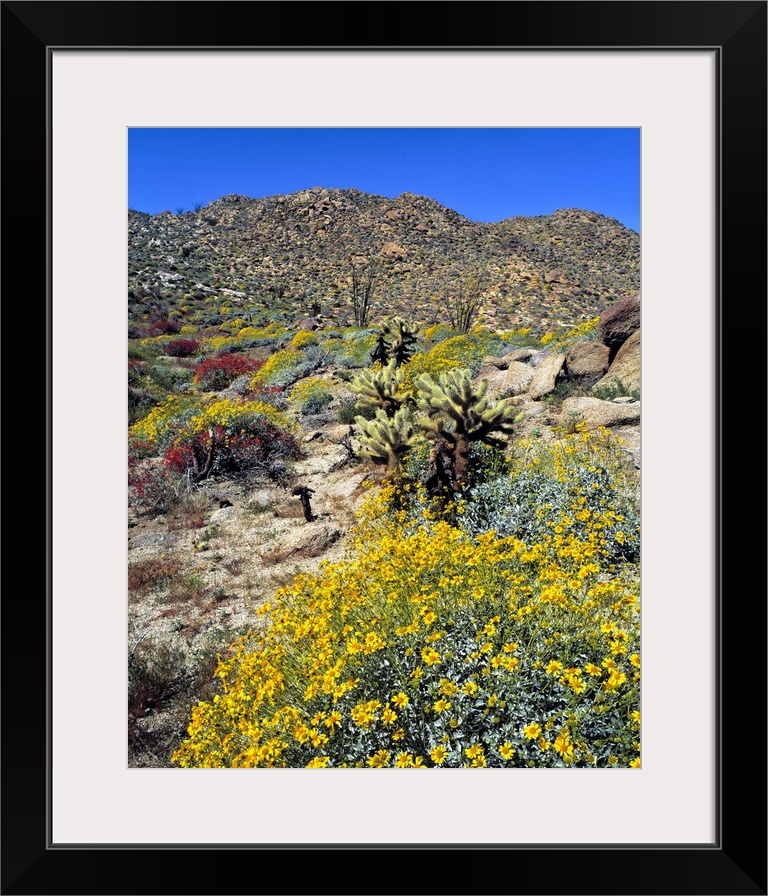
380 389
459 414
396 341
386 440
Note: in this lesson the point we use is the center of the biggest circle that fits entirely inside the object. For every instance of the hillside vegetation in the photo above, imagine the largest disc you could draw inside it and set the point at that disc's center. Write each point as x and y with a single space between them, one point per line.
406 540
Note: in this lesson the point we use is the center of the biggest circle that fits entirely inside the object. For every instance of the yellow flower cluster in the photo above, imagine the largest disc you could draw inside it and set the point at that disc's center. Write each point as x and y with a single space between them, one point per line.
279 363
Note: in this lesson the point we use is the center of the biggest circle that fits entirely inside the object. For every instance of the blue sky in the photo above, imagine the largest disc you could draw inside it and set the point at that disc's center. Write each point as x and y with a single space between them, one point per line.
486 174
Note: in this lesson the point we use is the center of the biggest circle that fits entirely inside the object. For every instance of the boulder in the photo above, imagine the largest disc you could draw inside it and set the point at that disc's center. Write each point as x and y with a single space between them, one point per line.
597 412
393 251
503 382
587 359
223 513
625 369
490 363
545 375
618 322
310 540
520 354
518 377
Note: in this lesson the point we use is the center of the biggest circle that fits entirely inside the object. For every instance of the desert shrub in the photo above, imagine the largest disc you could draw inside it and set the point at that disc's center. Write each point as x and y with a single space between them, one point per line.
152 573
141 400
253 445
576 488
189 513
281 369
166 326
289 364
167 680
439 333
152 486
181 348
349 410
214 374
198 436
353 350
304 338
153 677
144 351
614 388
432 646
164 377
312 395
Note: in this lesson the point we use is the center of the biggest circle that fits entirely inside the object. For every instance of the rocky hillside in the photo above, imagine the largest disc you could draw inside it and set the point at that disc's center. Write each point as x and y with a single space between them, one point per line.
280 257
199 571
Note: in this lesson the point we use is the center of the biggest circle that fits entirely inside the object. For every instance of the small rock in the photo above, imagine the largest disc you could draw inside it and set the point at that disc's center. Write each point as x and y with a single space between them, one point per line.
223 513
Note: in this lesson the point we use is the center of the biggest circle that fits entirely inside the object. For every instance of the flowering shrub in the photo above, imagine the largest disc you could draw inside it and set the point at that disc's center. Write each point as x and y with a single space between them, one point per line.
290 364
281 369
465 351
573 487
181 348
168 326
214 374
198 436
247 337
564 338
311 394
232 451
429 646
304 338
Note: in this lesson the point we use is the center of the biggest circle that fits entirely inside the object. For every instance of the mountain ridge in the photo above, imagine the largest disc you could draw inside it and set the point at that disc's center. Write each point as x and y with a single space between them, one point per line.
292 254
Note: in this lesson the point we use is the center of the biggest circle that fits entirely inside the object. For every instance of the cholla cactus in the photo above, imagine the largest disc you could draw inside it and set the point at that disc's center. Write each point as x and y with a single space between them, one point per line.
396 341
402 339
460 414
386 440
381 389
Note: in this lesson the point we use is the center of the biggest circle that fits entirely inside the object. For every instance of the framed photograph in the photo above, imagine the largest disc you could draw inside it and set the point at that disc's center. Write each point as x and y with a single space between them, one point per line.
692 78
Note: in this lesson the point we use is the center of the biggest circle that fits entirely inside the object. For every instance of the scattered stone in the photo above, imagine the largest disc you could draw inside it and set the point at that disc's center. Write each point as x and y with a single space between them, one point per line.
150 539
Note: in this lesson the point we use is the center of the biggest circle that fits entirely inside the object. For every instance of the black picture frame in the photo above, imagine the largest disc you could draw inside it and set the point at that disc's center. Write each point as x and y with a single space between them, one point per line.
736 862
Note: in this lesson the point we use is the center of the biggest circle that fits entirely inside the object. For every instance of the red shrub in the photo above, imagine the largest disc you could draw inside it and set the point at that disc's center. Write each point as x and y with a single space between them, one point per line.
214 374
165 326
181 348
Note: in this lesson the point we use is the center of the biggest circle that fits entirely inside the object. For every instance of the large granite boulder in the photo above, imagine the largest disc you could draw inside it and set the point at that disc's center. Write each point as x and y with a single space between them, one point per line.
625 369
545 375
587 359
619 322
